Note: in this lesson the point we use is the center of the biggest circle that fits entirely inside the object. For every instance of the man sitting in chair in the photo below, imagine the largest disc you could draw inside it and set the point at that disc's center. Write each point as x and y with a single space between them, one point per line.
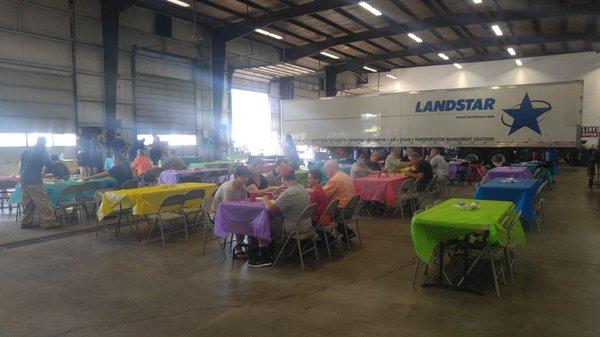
422 169
291 203
340 186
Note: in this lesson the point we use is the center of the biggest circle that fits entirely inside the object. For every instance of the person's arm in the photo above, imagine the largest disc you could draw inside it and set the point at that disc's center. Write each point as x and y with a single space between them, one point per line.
134 163
104 174
270 205
415 175
329 189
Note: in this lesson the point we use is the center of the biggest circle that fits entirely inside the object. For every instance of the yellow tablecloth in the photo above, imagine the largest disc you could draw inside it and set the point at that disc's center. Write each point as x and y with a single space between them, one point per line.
146 200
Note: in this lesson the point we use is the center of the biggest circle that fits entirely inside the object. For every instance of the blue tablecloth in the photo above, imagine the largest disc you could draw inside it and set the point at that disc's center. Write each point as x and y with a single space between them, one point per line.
522 193
53 189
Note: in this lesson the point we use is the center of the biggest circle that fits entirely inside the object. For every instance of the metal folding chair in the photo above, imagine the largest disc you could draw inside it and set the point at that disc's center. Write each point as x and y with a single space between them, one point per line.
169 212
129 185
116 218
86 196
69 199
7 187
403 195
193 210
327 224
538 203
350 214
298 237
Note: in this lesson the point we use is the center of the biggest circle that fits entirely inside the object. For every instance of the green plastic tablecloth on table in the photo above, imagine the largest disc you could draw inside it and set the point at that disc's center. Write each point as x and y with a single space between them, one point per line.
53 189
211 164
191 159
445 222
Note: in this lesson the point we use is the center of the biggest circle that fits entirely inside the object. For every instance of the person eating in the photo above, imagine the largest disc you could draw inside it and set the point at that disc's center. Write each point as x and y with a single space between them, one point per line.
360 168
393 162
58 169
339 186
373 163
422 169
317 194
258 184
121 172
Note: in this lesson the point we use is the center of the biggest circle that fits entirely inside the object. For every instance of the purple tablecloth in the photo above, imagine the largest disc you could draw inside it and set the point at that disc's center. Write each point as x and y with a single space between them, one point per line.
249 218
170 176
508 172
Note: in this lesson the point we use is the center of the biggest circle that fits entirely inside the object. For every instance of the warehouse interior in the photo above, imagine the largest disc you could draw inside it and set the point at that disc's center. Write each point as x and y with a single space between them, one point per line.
196 72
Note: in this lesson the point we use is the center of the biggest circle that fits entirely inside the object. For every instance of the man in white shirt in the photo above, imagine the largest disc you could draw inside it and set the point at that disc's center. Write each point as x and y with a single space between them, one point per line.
393 161
438 164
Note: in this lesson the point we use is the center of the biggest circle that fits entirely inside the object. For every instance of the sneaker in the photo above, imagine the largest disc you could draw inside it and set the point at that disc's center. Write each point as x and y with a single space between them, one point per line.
260 261
27 225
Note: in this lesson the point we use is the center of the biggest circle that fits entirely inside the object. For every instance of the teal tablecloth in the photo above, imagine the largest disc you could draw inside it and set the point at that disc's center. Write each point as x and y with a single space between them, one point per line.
53 189
191 159
320 165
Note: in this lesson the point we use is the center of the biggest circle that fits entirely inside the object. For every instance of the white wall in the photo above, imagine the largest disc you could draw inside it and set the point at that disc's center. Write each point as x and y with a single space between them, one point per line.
566 67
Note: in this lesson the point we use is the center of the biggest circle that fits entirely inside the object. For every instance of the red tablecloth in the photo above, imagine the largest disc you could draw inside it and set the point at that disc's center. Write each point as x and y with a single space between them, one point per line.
15 179
379 189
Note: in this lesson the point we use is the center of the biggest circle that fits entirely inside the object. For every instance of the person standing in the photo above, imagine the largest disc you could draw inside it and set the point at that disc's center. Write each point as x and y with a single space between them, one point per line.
33 161
290 152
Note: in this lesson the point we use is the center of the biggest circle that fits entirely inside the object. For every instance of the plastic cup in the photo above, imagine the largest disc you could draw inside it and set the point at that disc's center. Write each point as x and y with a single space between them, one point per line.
252 197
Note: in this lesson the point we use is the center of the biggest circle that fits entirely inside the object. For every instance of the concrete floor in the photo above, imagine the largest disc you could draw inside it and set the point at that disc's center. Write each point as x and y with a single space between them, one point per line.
87 286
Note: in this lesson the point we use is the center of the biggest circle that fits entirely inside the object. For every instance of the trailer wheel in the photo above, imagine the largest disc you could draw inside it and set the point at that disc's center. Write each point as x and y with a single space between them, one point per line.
498 159
472 156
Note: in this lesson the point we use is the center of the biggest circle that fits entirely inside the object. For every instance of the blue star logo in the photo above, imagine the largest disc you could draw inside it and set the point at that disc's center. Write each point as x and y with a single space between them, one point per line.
525 115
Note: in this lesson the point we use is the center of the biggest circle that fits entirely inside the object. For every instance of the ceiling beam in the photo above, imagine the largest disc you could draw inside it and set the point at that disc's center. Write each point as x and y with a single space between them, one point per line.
474 42
444 21
240 29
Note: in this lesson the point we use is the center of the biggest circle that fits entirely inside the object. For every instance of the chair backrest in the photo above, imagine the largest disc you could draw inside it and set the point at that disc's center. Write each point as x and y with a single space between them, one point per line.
330 209
406 185
196 194
415 185
419 211
428 206
172 201
90 186
207 204
308 212
539 191
71 190
437 202
129 185
7 184
508 225
478 185
432 186
353 202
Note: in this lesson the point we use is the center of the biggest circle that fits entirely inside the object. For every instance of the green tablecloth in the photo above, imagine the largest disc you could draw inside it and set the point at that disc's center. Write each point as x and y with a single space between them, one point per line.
191 159
445 222
53 189
301 178
211 164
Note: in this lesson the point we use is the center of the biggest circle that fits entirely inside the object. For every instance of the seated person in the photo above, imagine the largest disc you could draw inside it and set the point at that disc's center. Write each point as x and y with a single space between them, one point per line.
121 172
317 195
339 186
422 169
234 190
438 164
393 162
58 169
173 162
273 176
291 203
360 168
374 161
141 163
257 183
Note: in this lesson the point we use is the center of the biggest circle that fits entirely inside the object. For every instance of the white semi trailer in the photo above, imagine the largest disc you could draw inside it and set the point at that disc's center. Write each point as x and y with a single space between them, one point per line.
490 123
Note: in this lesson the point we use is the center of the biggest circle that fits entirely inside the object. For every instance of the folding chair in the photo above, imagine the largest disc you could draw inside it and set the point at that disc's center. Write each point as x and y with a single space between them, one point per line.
129 185
209 223
538 203
350 215
7 187
69 198
86 196
403 195
509 254
151 176
169 212
212 177
295 235
327 224
431 190
115 218
417 196
194 197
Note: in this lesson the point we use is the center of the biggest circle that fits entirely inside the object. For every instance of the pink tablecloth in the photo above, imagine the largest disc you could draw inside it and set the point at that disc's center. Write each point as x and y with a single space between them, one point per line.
379 189
249 218
508 172
170 176
15 179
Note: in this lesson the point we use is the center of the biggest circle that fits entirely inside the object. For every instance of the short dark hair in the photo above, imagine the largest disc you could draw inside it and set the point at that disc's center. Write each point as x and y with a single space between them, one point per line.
241 171
120 158
54 157
317 174
291 176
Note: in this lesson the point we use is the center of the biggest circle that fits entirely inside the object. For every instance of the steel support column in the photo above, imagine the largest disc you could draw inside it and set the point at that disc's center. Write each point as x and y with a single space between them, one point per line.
330 79
110 42
218 87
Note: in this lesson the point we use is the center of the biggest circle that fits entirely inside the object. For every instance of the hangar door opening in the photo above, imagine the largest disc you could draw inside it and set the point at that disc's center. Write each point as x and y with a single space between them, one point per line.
251 122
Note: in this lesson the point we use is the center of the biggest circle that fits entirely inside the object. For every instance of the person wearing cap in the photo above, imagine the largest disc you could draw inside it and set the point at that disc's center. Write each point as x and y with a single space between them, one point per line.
291 203
58 169
339 186
234 190
257 184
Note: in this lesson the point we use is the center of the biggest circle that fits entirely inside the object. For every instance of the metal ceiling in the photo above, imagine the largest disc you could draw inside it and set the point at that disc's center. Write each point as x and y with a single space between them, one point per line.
459 28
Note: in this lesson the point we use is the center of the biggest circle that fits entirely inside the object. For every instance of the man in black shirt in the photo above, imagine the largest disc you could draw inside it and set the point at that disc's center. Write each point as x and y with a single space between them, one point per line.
373 163
118 144
121 172
33 161
58 169
421 169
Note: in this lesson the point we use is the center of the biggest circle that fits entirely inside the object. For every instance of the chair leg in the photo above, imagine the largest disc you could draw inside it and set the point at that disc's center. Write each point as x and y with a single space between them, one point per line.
325 234
281 251
346 235
162 233
510 265
150 230
494 275
417 266
300 253
315 248
204 237
358 233
185 227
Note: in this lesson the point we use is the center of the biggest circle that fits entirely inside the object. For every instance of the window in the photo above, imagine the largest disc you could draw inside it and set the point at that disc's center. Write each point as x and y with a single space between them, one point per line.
251 115
147 139
64 139
13 139
33 137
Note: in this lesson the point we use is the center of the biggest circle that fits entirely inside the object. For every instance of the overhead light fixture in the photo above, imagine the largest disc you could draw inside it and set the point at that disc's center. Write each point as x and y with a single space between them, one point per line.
495 87
414 37
443 56
392 77
519 62
335 57
370 69
477 1
264 32
458 66
511 51
370 8
180 3
497 30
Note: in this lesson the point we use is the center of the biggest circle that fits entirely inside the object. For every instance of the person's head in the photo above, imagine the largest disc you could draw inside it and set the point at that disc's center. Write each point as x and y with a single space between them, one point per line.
255 164
140 152
314 177
331 168
375 157
241 174
435 152
287 175
143 141
414 157
362 158
120 159
40 142
54 158
397 152
288 139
